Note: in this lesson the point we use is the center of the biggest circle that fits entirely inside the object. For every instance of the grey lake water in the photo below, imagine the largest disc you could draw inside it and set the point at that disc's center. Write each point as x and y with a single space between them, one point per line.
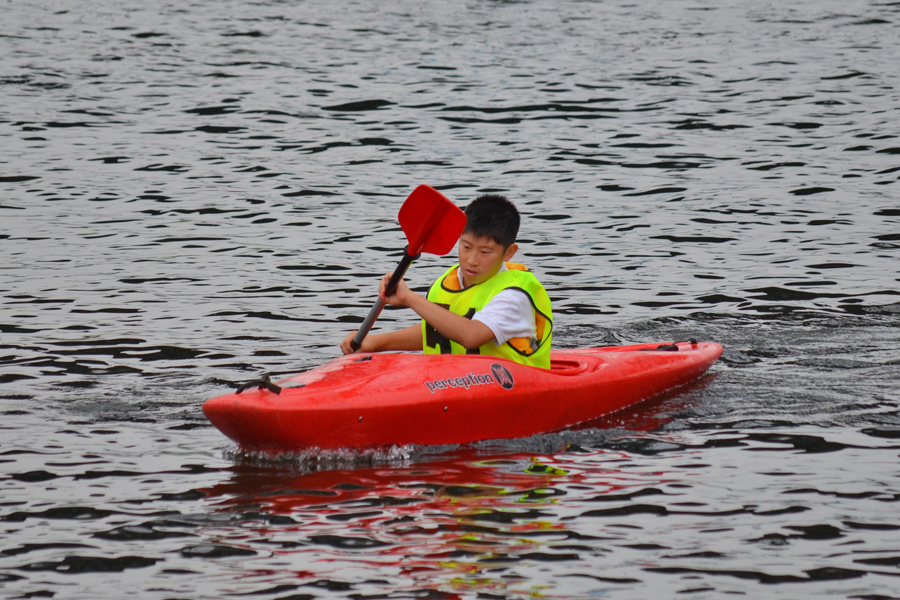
193 194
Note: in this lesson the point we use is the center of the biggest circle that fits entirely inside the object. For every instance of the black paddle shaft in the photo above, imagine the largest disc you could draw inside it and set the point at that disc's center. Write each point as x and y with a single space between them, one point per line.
399 272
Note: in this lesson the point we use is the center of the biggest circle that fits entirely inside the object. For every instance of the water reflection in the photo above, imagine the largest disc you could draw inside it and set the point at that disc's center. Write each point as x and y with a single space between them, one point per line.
464 522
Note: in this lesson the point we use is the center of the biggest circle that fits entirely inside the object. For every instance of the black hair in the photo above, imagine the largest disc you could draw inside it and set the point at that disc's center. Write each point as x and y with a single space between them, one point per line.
493 216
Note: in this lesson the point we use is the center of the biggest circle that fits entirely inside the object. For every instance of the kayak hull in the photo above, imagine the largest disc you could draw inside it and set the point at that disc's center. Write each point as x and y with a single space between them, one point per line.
362 400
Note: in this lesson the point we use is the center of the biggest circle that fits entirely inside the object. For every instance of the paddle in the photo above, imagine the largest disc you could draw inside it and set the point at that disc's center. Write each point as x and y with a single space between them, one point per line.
432 224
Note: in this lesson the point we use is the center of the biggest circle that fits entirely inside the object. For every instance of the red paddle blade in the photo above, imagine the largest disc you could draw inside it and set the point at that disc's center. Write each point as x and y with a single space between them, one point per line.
432 223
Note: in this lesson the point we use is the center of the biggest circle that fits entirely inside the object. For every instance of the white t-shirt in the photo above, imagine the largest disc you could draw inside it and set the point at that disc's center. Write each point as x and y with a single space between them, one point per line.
508 314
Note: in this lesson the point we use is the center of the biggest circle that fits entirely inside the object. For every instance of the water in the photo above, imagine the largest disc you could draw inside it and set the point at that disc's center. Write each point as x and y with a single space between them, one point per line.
194 194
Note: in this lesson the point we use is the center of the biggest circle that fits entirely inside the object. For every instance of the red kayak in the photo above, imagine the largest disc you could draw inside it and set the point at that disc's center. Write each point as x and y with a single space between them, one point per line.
385 399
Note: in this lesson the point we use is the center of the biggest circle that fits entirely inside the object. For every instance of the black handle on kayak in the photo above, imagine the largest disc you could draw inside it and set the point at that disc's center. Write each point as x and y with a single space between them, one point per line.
399 272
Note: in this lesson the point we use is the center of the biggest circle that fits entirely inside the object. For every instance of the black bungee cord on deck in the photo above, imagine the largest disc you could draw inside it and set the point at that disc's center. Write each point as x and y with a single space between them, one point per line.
262 382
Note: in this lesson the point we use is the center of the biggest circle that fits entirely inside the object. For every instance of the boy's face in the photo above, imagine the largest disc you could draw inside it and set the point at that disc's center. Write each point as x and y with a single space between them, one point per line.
480 258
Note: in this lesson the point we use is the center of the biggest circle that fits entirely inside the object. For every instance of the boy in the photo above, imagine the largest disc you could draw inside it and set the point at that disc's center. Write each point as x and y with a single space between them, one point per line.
483 305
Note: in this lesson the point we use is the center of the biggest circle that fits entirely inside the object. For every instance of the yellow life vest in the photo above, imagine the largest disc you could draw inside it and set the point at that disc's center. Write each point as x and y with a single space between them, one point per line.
448 292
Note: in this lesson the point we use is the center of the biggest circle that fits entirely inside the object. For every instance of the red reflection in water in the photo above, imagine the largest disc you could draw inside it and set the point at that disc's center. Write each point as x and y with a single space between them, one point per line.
452 524
456 523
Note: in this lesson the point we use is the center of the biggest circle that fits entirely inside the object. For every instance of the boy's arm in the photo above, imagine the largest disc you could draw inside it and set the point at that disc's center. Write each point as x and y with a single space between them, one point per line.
409 338
463 331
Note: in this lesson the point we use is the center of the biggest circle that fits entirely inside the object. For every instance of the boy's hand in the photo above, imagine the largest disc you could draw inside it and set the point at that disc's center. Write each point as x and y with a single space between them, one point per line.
408 339
365 347
401 294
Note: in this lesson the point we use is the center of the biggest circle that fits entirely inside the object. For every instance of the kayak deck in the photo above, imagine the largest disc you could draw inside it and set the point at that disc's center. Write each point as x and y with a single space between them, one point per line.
396 398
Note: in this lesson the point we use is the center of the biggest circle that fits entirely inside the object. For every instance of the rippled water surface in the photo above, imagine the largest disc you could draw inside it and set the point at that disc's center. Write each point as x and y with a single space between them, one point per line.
192 194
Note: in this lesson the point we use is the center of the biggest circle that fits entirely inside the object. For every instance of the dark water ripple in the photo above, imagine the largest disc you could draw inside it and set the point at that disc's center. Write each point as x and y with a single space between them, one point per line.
191 195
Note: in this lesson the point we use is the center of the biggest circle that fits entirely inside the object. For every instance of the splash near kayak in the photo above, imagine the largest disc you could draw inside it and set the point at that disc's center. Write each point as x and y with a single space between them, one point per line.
361 400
